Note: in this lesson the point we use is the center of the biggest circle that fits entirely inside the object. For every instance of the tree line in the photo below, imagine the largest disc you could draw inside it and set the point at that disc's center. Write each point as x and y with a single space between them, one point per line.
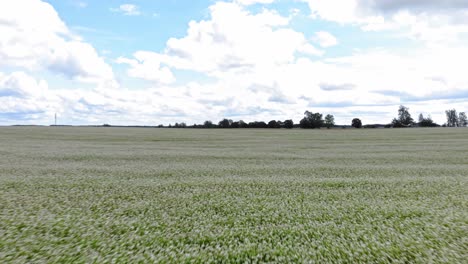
404 119
317 120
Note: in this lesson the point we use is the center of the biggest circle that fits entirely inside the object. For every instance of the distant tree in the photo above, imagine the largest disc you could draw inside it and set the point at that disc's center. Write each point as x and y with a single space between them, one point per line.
404 116
225 123
421 118
397 123
208 124
261 124
257 124
311 120
288 124
452 118
462 120
304 123
235 124
427 122
329 121
274 124
182 125
356 123
242 124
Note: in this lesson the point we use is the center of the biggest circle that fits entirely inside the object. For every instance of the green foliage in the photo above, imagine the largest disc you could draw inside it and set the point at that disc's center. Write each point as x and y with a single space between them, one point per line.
452 118
404 117
356 123
121 195
225 123
311 120
329 121
235 124
397 123
462 119
257 124
274 124
242 124
426 121
288 124
208 124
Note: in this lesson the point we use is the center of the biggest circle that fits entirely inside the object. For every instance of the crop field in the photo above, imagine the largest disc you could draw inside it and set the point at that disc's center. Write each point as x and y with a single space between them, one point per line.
129 195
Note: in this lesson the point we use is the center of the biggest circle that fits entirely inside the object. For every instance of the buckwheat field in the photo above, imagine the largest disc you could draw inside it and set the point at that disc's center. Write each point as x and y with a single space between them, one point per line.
129 195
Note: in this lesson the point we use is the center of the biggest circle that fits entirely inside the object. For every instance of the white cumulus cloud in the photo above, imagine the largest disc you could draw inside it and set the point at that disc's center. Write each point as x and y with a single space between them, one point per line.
147 66
258 68
428 21
251 2
127 9
232 40
325 39
36 39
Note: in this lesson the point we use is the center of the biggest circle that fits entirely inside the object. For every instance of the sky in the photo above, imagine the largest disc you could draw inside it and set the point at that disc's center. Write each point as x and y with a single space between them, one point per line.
150 62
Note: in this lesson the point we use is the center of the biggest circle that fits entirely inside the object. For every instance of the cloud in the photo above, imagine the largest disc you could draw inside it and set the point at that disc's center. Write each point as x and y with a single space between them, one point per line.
416 5
19 84
288 90
325 39
29 101
127 10
257 59
258 68
336 87
428 21
35 38
362 11
22 98
273 93
147 66
233 40
251 2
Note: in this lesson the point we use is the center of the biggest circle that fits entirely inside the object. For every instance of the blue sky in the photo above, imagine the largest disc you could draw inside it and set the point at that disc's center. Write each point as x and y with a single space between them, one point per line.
141 62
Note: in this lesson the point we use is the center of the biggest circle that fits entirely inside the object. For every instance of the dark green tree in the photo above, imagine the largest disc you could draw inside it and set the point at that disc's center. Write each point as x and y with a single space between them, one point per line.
257 124
312 120
208 124
462 119
288 124
404 116
274 124
225 123
356 123
426 121
421 118
243 124
452 118
329 121
235 124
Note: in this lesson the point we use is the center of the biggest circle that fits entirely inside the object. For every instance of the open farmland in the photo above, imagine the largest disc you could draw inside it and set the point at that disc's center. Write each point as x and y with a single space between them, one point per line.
181 195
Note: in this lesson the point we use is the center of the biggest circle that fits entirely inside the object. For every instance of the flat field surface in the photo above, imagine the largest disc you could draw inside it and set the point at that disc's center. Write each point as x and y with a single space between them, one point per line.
81 195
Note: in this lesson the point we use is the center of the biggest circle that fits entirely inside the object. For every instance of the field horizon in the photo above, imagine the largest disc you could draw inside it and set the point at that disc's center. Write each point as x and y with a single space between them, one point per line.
113 194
